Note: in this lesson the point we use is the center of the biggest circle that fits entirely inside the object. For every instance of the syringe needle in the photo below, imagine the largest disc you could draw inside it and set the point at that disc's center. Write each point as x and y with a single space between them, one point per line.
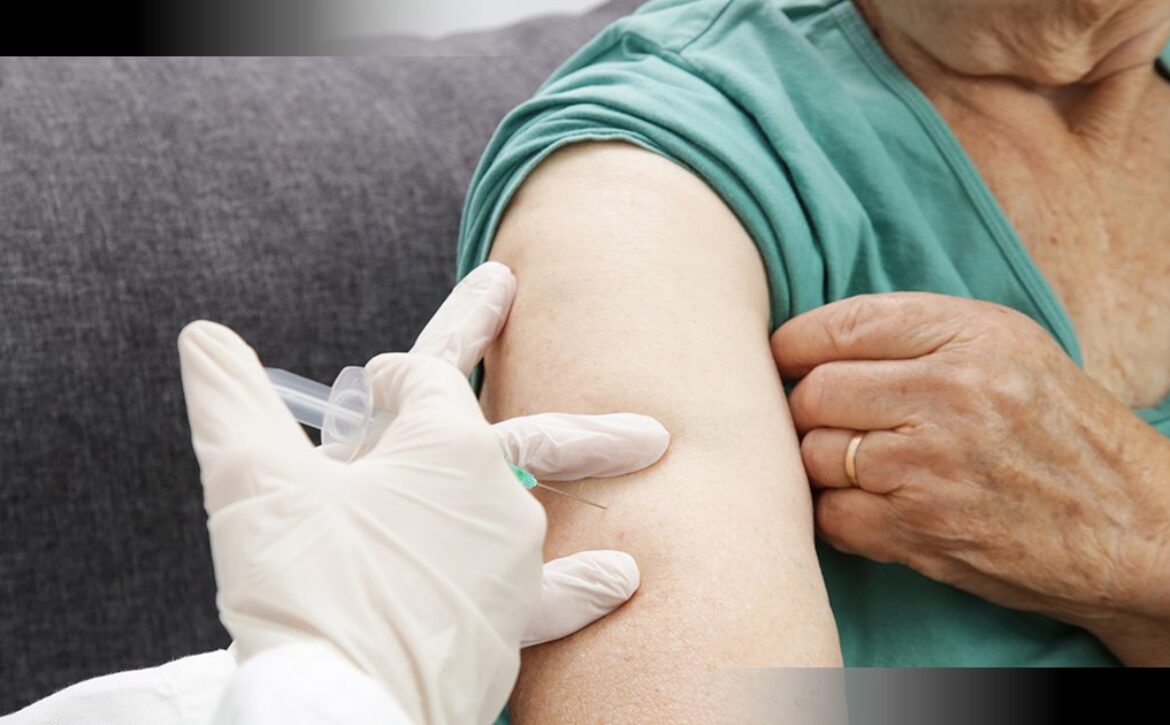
572 496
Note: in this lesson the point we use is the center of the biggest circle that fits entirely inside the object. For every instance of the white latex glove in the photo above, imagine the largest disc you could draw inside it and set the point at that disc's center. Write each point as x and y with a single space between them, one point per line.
579 589
182 692
418 561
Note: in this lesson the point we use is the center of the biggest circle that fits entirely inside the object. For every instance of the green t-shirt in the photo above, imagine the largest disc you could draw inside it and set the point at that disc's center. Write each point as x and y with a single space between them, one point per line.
848 182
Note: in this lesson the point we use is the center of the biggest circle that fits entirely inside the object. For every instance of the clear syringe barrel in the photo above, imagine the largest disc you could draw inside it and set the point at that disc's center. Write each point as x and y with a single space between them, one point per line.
346 418
306 399
343 413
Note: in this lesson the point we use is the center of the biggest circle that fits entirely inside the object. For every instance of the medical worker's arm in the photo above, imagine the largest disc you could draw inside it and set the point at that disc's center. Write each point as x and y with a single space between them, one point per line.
640 290
306 684
182 692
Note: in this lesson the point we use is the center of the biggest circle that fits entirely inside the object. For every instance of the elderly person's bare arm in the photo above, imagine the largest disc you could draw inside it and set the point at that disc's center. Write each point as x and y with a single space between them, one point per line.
639 290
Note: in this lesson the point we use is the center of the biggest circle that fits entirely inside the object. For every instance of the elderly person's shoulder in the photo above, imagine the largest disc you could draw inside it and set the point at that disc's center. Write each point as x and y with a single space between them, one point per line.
775 105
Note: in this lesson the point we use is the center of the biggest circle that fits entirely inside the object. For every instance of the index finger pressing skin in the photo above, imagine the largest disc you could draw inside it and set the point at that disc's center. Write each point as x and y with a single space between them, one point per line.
889 326
566 447
470 318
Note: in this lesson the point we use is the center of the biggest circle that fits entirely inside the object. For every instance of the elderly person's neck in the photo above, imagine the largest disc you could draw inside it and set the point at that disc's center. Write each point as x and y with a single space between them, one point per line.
1032 66
1061 108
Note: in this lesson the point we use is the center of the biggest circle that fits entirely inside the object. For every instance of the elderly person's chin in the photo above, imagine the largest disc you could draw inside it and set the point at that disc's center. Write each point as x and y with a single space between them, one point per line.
1048 43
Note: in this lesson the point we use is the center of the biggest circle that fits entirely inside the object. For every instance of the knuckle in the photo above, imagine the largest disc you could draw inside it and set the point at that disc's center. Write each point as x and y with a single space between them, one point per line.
815 455
881 464
812 394
834 516
808 451
966 380
921 447
837 522
847 322
933 378
826 514
939 525
1010 393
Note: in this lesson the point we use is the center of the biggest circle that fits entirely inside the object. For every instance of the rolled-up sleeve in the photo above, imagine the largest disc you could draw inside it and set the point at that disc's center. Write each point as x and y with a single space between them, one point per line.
635 83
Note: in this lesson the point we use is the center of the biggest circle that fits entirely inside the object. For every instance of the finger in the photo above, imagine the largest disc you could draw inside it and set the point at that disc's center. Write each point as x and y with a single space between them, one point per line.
858 395
426 395
471 317
890 326
859 522
235 414
578 590
565 447
876 462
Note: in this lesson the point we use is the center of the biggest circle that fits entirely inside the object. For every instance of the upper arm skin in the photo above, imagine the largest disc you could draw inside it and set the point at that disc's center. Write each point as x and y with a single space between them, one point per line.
640 291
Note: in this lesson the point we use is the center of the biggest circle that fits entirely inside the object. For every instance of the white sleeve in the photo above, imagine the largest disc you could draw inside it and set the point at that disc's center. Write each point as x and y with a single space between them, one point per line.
183 692
303 684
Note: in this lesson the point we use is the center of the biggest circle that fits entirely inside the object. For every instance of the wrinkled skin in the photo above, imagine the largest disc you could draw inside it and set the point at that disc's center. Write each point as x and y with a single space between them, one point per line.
991 463
1041 42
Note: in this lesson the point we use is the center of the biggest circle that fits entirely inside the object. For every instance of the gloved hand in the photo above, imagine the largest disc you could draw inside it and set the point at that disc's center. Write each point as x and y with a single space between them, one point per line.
576 590
420 560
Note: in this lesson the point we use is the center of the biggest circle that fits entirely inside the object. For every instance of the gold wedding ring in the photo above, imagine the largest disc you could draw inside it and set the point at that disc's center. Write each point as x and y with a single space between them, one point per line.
851 457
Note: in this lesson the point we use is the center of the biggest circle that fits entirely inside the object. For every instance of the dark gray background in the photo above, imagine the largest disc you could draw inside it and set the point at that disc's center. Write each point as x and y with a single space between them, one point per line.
311 204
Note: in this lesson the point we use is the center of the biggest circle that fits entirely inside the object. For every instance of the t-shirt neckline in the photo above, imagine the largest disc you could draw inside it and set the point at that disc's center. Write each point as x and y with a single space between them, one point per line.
1010 245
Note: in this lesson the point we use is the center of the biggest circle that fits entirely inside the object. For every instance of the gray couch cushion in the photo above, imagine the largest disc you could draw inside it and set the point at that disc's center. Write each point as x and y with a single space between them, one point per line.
312 204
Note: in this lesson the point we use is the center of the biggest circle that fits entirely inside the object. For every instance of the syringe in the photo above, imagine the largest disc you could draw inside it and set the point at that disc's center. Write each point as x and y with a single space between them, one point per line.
347 420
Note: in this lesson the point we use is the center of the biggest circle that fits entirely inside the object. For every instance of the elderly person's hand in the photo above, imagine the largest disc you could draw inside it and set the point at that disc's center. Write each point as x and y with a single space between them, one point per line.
954 436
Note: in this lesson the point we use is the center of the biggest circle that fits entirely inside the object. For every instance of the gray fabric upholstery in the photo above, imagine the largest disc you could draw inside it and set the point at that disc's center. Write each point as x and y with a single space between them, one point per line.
312 204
